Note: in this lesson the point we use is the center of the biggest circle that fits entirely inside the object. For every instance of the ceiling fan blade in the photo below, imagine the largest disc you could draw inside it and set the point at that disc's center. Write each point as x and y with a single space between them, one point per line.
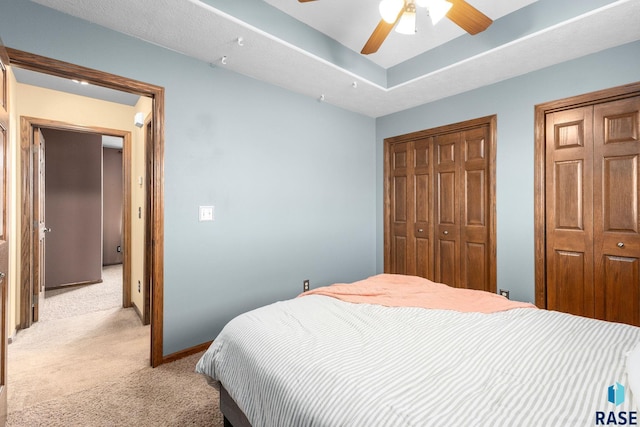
379 35
468 17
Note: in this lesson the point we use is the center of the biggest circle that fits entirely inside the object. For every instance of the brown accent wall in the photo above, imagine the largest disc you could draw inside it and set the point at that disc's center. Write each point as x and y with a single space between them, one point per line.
73 207
112 206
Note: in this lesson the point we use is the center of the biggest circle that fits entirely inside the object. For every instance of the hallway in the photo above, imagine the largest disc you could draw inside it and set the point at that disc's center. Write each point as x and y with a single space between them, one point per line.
83 338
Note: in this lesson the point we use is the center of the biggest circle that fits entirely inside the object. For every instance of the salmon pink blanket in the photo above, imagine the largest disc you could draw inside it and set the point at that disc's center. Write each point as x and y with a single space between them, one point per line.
396 290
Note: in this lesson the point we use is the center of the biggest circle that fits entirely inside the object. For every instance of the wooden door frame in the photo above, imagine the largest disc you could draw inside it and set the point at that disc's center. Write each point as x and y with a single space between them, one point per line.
541 110
490 121
5 128
148 238
30 259
67 70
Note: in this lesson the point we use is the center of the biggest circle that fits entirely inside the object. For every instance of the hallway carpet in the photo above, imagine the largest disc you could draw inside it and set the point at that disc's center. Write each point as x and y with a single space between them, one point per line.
77 300
92 369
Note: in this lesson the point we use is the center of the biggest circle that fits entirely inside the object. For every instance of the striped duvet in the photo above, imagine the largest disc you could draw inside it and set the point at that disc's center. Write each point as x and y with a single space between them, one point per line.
319 361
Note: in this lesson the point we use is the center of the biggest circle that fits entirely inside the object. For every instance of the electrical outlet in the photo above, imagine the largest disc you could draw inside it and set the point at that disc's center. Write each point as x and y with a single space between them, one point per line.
504 293
305 285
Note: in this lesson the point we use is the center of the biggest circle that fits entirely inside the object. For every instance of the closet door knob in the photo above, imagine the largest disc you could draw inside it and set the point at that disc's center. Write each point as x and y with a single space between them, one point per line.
445 232
620 245
420 230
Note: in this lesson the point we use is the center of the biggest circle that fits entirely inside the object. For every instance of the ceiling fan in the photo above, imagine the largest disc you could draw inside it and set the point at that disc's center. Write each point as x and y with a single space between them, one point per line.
401 14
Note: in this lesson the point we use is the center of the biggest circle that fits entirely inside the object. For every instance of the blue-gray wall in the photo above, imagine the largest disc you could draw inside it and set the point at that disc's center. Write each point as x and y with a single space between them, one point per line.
292 179
513 101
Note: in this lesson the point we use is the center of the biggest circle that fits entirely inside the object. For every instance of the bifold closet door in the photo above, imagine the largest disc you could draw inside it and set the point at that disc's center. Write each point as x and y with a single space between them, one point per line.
447 204
399 208
411 208
422 208
475 210
462 253
569 195
616 210
592 212
439 205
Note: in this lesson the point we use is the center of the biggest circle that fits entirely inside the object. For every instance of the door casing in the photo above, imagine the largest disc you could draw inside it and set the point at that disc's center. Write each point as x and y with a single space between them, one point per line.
5 166
37 199
62 69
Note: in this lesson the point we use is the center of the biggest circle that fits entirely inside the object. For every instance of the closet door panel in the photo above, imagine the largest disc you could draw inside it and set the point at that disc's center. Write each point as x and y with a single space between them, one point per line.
399 227
423 208
475 198
569 221
566 290
424 258
475 266
474 230
447 209
399 255
447 268
616 210
399 208
447 203
621 296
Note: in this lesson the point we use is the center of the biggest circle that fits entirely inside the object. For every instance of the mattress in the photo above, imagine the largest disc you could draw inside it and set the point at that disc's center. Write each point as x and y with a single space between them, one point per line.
322 361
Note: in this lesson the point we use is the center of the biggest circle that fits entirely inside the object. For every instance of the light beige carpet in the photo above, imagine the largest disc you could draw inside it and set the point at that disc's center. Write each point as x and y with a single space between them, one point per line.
170 395
92 369
76 300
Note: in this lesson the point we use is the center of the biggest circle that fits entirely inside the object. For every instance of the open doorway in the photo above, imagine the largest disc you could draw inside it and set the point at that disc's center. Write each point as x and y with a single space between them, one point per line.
155 191
83 234
79 203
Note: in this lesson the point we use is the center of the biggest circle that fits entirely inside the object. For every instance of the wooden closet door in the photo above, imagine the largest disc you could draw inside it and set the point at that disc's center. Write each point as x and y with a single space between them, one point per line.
616 210
422 205
411 208
569 219
475 252
440 204
399 209
447 208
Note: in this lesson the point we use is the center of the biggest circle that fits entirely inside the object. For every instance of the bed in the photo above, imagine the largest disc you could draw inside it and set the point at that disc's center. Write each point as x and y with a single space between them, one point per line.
396 350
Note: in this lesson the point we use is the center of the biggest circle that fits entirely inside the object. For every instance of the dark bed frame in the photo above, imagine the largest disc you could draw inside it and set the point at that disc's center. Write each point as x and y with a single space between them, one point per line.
233 416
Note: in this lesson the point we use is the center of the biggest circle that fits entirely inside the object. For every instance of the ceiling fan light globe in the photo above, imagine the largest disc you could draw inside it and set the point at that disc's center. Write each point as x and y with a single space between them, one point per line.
438 9
389 9
407 23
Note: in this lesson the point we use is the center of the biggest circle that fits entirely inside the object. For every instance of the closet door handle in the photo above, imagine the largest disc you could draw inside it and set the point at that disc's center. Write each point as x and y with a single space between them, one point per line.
445 232
420 230
620 244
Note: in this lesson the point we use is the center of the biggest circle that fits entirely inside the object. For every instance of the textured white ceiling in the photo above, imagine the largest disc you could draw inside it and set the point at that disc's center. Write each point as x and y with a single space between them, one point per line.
352 22
202 31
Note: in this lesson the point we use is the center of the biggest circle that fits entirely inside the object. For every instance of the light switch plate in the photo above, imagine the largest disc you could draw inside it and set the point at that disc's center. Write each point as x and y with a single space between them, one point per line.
205 213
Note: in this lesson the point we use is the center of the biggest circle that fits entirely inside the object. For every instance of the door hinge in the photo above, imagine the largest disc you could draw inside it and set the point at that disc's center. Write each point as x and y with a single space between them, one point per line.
34 301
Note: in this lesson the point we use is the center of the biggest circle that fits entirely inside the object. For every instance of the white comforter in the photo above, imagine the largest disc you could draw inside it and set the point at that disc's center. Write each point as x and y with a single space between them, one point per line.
318 361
